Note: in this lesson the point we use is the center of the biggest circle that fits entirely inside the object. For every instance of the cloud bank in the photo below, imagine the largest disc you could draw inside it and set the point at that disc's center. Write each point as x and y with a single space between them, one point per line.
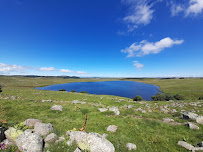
145 48
47 69
65 70
7 68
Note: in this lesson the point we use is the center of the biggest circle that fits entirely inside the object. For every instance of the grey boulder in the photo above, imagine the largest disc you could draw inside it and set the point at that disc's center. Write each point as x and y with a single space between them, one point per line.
115 110
189 115
192 126
186 145
43 128
102 109
30 142
93 142
51 138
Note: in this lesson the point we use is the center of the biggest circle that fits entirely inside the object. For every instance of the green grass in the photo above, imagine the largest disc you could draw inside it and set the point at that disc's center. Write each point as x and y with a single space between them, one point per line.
21 101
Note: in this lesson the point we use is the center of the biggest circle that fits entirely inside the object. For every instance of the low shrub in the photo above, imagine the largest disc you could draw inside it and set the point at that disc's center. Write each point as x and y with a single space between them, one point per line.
73 91
200 98
84 111
178 97
83 91
137 98
1 86
166 97
62 89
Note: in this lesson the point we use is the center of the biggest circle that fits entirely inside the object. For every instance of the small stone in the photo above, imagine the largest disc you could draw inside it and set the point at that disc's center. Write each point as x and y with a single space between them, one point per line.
131 146
104 135
102 109
57 107
31 122
167 120
43 128
51 138
69 143
199 119
115 110
112 128
192 126
186 145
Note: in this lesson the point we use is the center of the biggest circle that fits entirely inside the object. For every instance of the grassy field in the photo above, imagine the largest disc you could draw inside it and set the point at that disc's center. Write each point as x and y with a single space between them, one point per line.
143 128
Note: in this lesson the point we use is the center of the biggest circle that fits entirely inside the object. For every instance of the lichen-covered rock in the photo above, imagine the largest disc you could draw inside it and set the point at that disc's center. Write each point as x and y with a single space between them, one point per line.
43 128
112 128
192 126
189 115
51 138
77 150
57 107
12 134
61 139
31 122
167 120
199 119
186 145
93 142
30 142
131 146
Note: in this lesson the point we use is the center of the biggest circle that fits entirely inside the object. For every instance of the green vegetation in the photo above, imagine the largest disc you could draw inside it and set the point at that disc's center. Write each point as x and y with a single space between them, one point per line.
166 97
137 98
1 88
145 129
73 91
83 91
62 89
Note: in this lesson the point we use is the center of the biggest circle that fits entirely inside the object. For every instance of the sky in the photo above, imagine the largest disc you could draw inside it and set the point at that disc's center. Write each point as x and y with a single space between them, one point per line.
102 38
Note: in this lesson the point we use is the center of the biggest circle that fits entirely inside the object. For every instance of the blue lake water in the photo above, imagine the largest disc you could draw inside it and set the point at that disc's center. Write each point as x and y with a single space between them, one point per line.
118 88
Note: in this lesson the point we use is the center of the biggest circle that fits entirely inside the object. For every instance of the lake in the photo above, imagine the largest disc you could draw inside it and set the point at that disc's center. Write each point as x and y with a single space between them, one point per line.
118 88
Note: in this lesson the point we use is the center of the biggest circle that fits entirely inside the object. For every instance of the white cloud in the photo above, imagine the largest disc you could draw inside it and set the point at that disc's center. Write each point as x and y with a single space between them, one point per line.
7 68
65 70
145 48
140 13
195 7
192 8
138 65
47 69
81 72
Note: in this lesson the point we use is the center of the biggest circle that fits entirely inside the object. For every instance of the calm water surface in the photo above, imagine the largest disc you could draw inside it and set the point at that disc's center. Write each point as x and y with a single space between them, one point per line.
118 88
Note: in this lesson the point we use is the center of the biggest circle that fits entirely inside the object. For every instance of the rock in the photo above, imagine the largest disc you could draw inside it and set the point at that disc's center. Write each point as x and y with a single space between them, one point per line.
51 138
77 150
30 142
167 120
12 134
93 142
104 135
131 146
199 119
189 115
164 110
192 126
102 109
200 144
31 122
61 139
130 106
75 101
69 143
83 102
115 110
2 135
198 149
112 128
57 107
186 145
43 128
173 111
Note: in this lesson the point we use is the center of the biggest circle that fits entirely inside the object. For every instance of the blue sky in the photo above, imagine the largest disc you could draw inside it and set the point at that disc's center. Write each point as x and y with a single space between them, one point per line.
104 38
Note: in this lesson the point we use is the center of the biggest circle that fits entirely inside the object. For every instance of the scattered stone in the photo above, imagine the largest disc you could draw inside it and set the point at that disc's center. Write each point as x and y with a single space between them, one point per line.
2 135
57 107
192 126
12 134
112 128
189 115
93 142
30 142
173 111
167 120
131 146
46 100
75 101
51 138
130 106
104 135
83 102
115 110
143 111
102 109
198 149
69 143
31 122
164 110
186 145
61 139
199 119
43 128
